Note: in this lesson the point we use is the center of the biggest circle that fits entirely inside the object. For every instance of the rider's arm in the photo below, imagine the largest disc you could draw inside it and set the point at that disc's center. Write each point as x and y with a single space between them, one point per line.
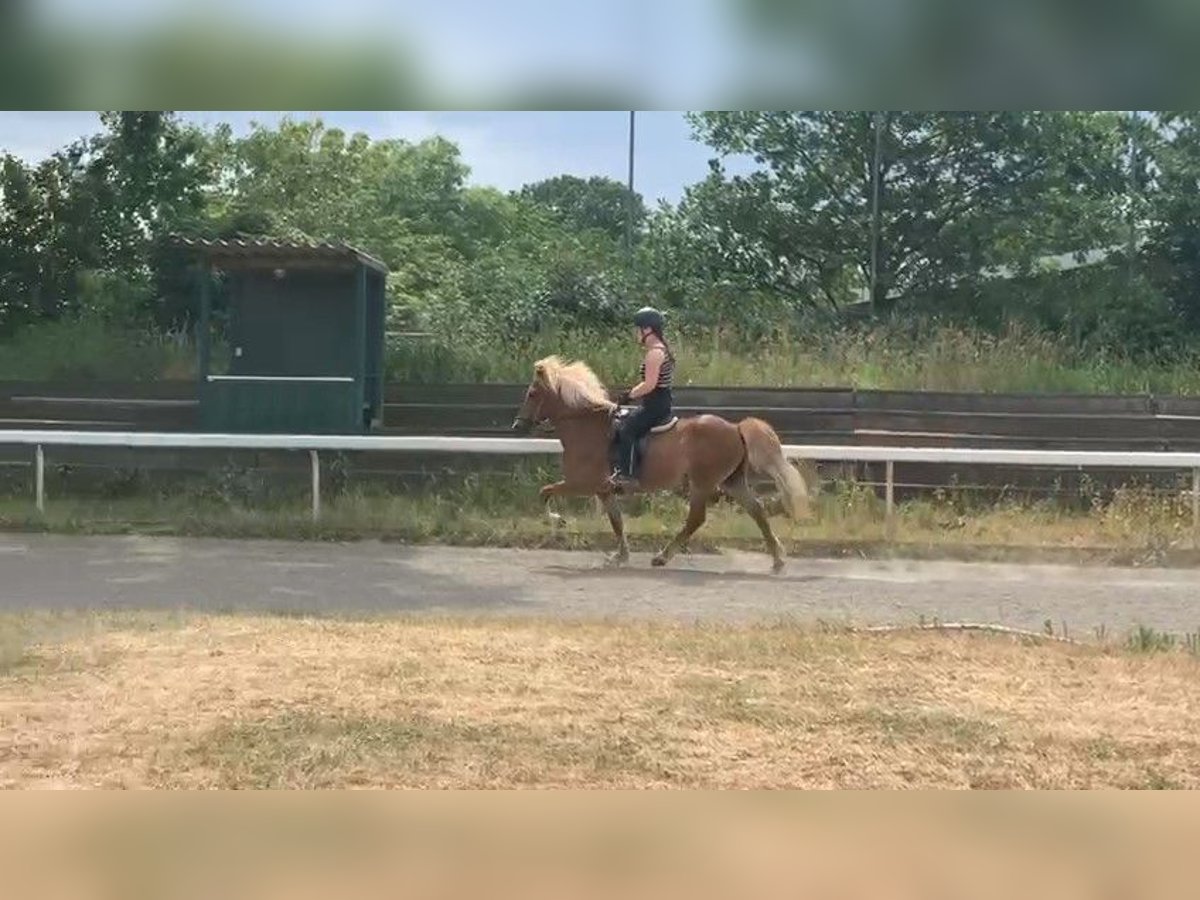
654 361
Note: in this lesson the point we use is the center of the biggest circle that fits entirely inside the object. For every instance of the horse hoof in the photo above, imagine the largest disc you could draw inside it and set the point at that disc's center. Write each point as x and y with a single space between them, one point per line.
659 561
777 566
616 560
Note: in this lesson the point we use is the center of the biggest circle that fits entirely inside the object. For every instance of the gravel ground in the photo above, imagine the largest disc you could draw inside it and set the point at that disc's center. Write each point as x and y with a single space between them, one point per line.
50 572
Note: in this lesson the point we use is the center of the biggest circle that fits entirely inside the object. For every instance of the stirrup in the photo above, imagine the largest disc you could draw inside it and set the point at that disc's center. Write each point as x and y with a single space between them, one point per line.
621 482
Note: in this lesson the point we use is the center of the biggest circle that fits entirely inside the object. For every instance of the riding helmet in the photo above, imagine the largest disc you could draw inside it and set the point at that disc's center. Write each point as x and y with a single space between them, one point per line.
649 317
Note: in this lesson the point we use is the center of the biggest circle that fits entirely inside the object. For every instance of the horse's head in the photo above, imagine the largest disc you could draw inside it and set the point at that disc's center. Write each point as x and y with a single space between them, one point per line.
536 397
562 389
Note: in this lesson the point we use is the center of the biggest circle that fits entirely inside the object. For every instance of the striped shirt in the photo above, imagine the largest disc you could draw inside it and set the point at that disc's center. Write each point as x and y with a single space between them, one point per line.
665 372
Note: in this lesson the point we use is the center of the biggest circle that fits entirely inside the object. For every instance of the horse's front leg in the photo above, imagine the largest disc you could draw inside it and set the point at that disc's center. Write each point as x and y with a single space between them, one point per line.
548 493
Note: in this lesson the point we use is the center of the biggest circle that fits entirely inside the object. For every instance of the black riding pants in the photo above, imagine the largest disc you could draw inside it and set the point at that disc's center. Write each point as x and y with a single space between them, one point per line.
655 410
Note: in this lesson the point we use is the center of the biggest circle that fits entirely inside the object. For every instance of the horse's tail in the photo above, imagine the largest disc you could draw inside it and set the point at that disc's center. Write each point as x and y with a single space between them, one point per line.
764 453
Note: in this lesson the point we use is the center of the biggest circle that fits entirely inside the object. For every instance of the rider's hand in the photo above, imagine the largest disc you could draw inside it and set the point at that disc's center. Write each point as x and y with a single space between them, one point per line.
624 398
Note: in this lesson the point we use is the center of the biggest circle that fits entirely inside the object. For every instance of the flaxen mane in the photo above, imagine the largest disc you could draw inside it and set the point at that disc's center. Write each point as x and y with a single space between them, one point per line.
575 383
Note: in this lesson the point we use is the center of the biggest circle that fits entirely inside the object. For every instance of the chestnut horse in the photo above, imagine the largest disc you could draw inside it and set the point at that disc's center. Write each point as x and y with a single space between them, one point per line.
710 454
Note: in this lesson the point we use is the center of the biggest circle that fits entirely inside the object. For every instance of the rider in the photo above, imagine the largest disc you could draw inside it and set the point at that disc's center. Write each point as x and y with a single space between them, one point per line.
654 390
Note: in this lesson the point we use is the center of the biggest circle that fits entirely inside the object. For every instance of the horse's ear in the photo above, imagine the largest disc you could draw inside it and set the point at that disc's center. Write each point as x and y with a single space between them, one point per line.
539 372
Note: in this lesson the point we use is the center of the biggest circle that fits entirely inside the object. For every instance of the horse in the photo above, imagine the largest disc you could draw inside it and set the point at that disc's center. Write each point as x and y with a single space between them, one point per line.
705 453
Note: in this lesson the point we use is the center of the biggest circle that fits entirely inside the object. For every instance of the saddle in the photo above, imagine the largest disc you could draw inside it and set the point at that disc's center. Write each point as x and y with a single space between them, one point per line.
639 450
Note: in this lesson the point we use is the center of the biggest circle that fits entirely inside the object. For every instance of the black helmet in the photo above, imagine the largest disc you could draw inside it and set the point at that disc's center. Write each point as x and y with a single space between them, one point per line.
649 317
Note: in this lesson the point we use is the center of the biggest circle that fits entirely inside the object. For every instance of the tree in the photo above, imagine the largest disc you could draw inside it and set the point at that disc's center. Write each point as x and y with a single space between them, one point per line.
22 230
78 230
147 175
959 192
594 203
1173 242
401 201
325 184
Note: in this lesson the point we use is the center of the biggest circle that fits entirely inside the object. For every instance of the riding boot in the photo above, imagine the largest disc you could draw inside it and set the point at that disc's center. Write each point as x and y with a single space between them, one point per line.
622 481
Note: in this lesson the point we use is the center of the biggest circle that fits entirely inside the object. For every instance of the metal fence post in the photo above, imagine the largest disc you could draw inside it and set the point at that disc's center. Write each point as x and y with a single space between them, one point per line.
889 521
315 459
39 478
1196 506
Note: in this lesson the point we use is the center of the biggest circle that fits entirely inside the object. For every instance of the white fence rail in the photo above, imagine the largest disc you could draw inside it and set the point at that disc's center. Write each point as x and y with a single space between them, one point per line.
314 444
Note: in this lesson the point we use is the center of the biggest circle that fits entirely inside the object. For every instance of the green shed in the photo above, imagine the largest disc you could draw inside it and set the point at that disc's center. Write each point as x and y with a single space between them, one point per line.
305 334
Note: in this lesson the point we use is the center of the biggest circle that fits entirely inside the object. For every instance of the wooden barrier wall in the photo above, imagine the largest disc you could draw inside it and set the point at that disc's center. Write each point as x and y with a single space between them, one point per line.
810 416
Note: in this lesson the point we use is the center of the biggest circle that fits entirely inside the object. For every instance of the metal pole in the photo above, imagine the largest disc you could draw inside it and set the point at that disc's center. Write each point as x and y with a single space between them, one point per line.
39 478
875 187
629 197
889 520
203 336
1133 189
362 402
1196 507
315 459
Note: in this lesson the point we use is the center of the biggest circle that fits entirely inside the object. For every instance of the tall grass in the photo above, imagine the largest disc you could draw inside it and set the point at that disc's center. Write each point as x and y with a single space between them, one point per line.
886 357
84 349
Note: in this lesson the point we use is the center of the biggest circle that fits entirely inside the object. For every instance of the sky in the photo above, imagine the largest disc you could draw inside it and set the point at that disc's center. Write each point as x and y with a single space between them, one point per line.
503 149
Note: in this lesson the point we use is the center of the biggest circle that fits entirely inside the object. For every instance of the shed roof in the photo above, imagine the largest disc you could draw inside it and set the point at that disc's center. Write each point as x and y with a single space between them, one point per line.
257 253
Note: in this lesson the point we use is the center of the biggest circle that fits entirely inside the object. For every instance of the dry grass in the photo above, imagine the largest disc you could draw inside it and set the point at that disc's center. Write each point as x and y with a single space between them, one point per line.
274 702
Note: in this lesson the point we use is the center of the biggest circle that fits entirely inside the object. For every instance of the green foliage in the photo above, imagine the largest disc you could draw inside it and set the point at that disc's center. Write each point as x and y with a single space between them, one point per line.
958 192
595 203
755 271
1109 309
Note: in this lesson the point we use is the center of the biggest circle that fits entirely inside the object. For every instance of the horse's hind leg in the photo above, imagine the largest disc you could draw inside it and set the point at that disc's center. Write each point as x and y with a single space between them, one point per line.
739 489
697 513
613 508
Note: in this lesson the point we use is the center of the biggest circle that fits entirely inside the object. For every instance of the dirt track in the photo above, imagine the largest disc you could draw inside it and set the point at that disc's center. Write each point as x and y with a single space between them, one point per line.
55 572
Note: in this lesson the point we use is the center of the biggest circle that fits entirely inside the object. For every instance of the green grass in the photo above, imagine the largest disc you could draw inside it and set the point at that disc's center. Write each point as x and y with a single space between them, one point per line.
294 750
1145 639
503 509
14 645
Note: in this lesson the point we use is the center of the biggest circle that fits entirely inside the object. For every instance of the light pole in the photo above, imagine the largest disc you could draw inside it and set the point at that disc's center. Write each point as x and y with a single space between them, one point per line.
875 178
629 199
1131 250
